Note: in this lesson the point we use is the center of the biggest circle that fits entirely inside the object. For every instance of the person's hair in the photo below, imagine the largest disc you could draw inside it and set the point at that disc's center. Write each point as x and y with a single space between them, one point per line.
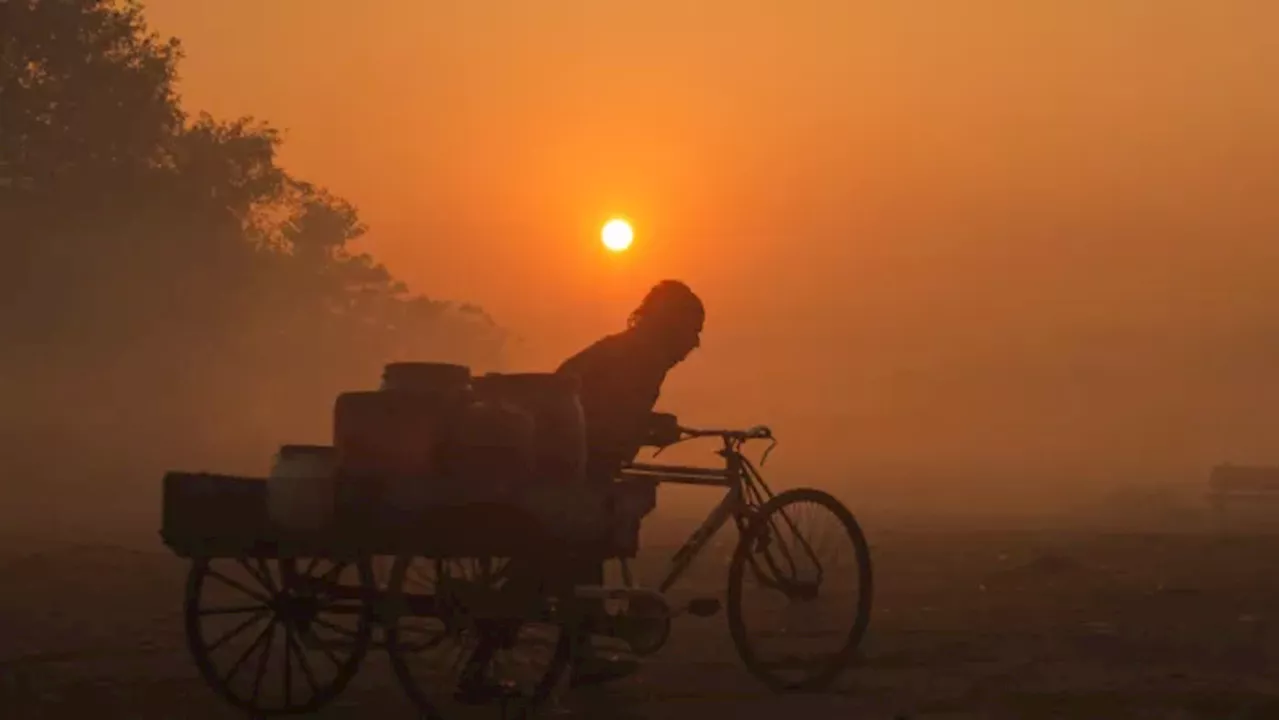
669 298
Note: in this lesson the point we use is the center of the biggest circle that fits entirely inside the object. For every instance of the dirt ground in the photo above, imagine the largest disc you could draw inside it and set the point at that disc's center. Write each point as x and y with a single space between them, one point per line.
979 624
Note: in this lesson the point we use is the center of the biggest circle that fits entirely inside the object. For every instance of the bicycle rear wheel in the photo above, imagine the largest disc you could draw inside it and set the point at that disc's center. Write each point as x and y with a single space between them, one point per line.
794 568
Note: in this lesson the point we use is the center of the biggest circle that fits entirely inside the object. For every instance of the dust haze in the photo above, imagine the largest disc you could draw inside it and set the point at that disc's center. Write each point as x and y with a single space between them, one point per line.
982 266
967 288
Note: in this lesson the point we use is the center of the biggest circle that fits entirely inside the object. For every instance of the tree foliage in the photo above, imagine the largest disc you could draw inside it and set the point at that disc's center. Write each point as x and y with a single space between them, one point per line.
159 261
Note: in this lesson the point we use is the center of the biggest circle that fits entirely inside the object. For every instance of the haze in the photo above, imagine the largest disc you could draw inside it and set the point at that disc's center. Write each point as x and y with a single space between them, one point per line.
1005 248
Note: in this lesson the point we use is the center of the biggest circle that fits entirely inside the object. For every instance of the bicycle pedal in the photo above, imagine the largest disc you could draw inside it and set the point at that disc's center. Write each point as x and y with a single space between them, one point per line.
704 607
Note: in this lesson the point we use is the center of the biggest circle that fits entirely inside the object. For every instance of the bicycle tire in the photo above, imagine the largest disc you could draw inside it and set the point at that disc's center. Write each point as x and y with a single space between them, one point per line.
840 660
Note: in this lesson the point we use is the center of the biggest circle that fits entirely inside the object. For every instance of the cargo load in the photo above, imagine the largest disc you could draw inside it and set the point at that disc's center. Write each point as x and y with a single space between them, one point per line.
551 400
302 487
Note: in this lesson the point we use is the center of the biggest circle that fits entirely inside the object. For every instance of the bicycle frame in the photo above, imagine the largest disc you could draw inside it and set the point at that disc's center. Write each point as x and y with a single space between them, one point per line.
745 488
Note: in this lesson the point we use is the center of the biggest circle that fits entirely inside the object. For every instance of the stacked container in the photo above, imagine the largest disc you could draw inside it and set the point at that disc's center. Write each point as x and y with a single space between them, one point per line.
435 436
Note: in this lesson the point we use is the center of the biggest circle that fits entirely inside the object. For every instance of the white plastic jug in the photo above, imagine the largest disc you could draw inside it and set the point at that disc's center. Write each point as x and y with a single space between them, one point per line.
302 487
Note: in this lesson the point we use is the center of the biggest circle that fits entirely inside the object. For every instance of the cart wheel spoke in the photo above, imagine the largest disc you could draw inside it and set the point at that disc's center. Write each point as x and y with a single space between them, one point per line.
235 610
256 595
262 662
288 666
336 628
224 637
235 667
332 658
303 664
252 568
332 574
267 579
311 566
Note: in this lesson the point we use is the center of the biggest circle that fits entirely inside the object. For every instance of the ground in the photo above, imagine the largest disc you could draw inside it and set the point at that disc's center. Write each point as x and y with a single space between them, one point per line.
967 624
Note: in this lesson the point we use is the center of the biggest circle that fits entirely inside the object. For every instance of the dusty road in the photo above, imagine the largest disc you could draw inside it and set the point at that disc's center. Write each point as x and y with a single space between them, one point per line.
966 625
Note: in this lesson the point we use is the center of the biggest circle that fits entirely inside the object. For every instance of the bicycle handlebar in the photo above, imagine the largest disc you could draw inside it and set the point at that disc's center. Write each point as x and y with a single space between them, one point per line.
732 438
758 432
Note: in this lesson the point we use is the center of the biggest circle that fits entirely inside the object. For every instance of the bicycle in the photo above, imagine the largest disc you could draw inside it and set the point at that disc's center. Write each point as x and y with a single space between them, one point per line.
645 624
755 510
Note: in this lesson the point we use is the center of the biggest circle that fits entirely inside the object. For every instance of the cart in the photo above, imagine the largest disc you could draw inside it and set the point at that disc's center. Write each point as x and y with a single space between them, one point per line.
279 622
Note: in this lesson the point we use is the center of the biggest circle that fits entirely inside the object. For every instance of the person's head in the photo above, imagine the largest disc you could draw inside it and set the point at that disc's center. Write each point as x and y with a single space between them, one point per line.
672 315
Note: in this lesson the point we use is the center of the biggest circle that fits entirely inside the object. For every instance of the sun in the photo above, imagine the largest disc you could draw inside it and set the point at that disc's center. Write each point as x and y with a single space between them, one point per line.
616 235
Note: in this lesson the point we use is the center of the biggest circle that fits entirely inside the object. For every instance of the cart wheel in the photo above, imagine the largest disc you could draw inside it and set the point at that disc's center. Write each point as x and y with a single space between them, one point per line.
435 633
805 564
276 637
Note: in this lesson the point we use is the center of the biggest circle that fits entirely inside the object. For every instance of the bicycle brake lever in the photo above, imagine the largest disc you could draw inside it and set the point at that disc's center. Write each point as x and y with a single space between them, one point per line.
764 458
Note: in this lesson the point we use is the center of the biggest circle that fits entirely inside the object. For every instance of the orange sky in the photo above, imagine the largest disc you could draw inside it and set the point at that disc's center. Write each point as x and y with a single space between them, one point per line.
883 203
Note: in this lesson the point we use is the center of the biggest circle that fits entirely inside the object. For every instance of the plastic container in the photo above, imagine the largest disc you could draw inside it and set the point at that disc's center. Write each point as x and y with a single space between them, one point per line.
443 378
492 452
560 438
301 488
391 434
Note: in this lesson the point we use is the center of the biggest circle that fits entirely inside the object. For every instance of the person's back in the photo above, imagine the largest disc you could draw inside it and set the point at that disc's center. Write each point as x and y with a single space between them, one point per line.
619 386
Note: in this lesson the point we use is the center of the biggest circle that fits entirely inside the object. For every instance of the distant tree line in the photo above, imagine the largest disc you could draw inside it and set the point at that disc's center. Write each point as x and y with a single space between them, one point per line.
164 281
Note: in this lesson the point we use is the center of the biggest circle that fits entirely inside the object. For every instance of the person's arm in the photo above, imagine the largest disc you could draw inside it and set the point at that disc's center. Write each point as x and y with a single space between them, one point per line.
664 429
636 420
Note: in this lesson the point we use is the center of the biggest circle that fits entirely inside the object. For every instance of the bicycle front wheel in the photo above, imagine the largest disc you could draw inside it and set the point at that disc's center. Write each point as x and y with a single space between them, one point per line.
799 596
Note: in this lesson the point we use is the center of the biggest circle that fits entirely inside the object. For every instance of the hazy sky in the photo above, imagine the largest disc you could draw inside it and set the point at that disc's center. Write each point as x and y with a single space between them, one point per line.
931 221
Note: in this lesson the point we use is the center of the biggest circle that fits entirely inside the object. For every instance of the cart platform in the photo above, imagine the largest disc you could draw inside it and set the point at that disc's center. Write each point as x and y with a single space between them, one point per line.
213 515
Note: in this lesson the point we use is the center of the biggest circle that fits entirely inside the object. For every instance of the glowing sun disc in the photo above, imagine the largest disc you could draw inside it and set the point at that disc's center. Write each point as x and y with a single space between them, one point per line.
616 235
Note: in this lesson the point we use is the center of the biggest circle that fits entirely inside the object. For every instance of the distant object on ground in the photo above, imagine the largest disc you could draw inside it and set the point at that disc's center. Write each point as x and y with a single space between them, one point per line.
1251 485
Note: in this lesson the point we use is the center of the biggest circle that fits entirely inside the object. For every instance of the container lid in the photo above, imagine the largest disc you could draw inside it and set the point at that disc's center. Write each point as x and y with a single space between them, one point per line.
425 376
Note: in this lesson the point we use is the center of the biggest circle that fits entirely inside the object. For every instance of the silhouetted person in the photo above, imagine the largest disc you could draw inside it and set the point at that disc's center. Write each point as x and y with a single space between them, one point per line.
622 375
620 379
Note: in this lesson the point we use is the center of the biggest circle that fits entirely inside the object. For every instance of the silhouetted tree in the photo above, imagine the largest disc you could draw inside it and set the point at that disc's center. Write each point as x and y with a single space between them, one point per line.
159 266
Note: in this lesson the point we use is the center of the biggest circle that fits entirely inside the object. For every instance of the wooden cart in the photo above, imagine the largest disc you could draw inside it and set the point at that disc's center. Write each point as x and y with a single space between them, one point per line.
279 622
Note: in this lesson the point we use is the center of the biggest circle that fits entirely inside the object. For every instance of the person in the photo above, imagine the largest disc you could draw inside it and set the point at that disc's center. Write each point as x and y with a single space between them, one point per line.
620 378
